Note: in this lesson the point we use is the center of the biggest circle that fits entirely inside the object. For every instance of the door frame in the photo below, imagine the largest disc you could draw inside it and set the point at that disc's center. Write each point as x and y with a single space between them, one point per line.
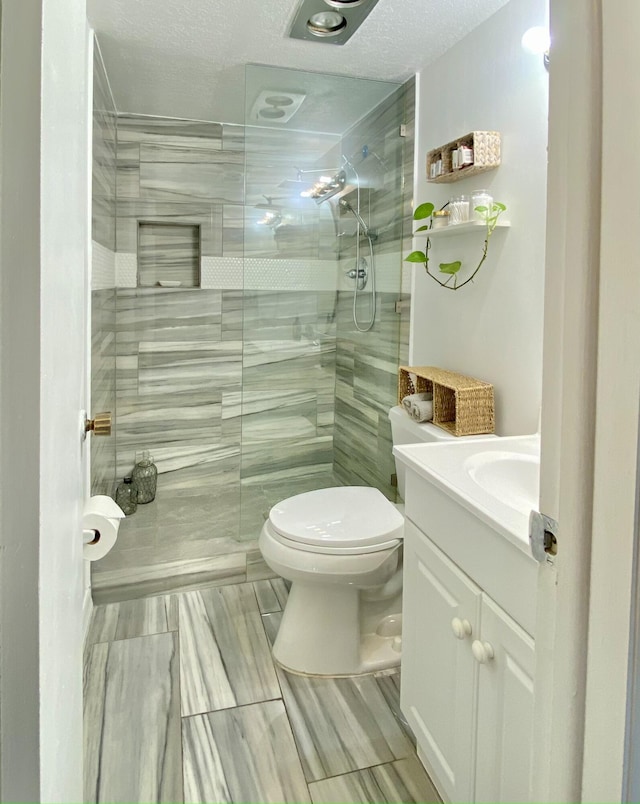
43 384
591 382
618 394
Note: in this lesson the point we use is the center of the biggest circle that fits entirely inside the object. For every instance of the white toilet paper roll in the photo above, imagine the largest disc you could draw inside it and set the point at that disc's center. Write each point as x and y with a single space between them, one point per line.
103 515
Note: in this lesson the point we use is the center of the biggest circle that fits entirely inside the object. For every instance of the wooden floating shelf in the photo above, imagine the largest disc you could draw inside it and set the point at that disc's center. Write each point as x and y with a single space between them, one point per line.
462 228
486 147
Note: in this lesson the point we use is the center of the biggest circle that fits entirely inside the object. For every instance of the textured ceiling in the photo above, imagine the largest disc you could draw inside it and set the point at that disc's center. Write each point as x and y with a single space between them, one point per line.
186 58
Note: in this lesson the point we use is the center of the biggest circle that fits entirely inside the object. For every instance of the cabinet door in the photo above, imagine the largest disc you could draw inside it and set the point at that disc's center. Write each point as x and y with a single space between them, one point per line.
439 673
505 709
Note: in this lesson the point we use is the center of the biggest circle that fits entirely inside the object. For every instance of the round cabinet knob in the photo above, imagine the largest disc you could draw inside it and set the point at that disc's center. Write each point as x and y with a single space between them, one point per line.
461 628
482 651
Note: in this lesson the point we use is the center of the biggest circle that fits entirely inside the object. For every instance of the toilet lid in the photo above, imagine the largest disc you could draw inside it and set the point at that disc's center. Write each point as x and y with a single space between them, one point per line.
346 516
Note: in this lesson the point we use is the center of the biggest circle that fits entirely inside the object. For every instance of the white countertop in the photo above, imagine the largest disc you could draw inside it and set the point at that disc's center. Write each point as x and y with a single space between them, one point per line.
497 479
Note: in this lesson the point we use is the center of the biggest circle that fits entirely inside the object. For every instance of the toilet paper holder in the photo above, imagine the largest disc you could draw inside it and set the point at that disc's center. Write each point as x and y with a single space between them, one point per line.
101 519
90 536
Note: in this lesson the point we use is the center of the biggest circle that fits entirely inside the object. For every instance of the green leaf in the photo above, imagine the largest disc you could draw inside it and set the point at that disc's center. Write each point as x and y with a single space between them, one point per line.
450 267
481 209
498 205
423 229
423 211
416 256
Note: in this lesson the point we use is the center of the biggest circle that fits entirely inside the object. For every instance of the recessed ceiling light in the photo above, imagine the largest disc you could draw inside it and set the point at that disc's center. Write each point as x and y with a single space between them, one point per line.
326 23
344 3
330 22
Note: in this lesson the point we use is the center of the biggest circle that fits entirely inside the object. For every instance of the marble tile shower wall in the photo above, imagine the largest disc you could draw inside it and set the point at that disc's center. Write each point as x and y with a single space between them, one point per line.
103 293
367 363
212 378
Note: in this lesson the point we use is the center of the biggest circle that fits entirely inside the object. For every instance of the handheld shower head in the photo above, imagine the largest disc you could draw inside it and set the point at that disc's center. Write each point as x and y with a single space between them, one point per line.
344 204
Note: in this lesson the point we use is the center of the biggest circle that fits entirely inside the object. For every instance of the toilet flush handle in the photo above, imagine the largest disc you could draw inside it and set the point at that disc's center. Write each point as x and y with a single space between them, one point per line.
461 628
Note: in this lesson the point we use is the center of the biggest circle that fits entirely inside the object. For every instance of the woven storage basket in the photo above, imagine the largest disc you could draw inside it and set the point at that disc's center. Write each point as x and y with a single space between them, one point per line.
461 405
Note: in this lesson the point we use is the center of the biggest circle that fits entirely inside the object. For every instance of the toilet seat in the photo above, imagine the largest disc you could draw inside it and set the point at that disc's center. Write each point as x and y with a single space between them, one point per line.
345 520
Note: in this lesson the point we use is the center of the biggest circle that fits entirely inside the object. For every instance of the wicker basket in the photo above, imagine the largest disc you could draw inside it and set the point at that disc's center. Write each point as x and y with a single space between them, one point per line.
461 405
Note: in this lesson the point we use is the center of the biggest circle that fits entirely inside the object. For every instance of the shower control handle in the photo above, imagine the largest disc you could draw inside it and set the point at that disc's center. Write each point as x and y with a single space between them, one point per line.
361 274
100 425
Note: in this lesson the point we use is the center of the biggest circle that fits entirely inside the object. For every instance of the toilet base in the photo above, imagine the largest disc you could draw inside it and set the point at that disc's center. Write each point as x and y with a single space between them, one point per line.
321 635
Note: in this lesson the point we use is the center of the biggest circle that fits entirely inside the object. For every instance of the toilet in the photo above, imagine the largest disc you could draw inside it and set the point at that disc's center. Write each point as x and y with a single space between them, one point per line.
341 548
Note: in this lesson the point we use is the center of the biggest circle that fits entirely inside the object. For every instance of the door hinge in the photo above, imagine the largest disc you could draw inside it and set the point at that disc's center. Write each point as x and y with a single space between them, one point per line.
403 130
401 305
543 536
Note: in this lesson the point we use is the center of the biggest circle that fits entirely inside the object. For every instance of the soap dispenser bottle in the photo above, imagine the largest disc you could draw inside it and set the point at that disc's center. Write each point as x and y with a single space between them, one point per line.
145 476
127 496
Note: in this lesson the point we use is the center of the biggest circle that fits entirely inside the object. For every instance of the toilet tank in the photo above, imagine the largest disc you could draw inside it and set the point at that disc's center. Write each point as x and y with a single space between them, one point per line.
404 430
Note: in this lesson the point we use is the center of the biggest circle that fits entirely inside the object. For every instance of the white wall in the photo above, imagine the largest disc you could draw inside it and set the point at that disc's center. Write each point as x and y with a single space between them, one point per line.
43 339
492 328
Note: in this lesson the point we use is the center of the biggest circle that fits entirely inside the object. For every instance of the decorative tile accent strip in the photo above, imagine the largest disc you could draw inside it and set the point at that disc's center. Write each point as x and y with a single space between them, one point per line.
103 267
126 270
221 273
267 274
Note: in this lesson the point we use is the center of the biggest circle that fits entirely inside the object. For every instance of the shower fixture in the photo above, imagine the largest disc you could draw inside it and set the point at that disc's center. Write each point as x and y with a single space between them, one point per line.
362 271
327 187
361 274
329 183
331 21
272 216
344 204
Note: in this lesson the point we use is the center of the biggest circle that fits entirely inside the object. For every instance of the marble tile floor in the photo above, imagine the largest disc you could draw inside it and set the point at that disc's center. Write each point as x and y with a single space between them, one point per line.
186 539
183 702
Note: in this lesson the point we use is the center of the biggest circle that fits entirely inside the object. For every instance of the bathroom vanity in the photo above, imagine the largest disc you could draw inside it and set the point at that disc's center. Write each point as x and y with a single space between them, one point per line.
469 613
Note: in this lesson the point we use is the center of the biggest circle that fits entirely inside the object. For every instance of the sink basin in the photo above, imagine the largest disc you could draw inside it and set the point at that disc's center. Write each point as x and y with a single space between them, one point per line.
497 479
512 477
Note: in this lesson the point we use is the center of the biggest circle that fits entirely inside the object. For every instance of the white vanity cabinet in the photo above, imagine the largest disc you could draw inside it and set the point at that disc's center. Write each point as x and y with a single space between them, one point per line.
505 708
467 679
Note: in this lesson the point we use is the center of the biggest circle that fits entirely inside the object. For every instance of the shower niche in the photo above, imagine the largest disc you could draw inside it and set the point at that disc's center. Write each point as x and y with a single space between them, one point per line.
168 254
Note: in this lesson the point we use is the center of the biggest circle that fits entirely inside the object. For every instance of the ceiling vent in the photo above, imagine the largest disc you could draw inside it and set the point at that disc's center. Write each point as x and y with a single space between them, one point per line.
275 106
331 21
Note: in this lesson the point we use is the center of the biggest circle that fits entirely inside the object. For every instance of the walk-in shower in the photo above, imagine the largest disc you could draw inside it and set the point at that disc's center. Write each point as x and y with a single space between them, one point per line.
249 382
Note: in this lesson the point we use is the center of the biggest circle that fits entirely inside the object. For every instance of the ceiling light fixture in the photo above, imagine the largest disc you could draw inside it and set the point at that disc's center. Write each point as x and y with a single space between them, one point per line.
344 3
326 23
330 21
537 41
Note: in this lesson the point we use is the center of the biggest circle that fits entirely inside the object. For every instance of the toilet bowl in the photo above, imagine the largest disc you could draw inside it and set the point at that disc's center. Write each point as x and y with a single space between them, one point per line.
341 548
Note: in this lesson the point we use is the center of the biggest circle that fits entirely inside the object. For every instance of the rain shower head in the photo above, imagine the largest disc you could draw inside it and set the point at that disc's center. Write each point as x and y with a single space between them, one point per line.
327 187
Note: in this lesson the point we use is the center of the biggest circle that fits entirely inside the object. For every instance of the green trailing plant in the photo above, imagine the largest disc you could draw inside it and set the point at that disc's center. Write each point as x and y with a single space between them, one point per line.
451 269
